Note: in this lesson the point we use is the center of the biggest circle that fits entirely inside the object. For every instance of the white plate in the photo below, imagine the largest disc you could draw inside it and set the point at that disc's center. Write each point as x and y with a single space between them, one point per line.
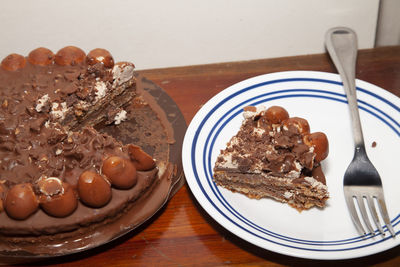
319 97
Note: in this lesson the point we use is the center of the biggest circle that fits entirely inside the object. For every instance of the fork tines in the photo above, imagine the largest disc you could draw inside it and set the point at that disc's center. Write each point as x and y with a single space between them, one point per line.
360 195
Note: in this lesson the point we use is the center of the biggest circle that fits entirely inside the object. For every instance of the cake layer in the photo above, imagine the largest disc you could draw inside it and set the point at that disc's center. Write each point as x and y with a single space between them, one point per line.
302 193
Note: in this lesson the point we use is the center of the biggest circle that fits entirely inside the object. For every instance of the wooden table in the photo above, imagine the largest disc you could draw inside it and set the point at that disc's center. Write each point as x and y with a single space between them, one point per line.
182 233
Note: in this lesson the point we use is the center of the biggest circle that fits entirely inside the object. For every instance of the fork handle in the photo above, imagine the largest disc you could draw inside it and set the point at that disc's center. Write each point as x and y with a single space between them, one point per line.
341 44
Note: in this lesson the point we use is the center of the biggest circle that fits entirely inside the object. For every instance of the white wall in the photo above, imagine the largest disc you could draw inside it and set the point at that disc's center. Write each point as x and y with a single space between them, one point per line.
155 34
388 30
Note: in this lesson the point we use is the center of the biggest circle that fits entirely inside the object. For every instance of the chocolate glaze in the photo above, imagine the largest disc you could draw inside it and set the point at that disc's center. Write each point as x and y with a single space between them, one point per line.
162 116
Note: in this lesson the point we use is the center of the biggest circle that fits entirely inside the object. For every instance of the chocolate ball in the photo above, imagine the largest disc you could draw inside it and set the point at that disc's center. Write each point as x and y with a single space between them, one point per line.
41 56
320 143
276 114
318 175
93 189
13 62
50 186
301 124
100 55
70 55
21 201
121 172
57 198
140 159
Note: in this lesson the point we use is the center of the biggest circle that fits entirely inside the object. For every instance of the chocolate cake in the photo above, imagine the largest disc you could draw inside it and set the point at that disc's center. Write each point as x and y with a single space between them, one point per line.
274 155
60 174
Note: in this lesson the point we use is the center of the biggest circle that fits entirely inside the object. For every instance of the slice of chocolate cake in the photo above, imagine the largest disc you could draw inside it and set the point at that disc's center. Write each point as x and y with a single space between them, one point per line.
275 156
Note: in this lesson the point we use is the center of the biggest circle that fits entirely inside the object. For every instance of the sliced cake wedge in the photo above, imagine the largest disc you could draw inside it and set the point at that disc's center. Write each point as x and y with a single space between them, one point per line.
275 156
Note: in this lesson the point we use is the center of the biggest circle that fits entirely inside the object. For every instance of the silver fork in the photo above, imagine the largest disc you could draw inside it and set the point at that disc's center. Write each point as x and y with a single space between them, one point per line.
362 182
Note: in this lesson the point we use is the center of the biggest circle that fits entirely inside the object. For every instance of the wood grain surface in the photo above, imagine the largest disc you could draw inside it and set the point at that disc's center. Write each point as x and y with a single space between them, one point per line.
182 233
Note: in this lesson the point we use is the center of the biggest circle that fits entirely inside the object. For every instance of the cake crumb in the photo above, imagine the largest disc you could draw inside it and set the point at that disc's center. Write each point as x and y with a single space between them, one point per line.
58 111
120 117
288 194
42 102
373 144
101 89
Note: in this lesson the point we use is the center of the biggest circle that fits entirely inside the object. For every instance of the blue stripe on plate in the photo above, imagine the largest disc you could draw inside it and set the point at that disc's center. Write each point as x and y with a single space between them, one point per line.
254 102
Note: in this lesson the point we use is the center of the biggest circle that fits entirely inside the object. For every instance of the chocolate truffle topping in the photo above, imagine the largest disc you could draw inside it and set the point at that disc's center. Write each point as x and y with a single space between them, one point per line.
21 202
121 172
13 62
94 190
100 55
69 56
56 198
41 56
